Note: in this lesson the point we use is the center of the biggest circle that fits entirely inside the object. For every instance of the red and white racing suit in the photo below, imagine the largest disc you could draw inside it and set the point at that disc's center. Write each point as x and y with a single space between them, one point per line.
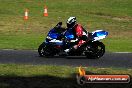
79 32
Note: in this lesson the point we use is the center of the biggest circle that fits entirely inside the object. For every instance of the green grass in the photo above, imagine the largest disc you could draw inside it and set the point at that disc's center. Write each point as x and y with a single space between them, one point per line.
53 70
115 16
42 76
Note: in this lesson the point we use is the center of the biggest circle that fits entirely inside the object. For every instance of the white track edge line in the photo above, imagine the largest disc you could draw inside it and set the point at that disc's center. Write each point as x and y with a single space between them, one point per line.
122 52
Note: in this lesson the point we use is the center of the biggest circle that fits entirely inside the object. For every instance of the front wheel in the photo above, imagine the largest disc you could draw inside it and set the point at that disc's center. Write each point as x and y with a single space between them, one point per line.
96 50
43 50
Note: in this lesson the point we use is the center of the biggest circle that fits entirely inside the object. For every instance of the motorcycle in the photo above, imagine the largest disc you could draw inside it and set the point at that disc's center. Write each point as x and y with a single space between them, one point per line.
55 43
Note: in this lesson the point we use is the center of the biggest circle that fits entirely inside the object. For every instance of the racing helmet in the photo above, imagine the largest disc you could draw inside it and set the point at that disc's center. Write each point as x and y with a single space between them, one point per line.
71 22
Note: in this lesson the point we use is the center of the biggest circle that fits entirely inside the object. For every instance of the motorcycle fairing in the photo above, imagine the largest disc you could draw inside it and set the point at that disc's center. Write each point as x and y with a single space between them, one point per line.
52 34
69 34
99 34
52 38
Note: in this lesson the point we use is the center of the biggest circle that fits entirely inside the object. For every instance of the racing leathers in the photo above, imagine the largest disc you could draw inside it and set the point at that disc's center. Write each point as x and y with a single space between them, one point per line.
80 35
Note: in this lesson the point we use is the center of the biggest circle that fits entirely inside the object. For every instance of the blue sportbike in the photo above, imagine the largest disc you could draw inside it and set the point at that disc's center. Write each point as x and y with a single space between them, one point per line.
55 43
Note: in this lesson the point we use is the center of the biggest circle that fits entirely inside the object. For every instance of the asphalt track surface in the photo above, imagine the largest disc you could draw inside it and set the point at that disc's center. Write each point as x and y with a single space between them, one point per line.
121 60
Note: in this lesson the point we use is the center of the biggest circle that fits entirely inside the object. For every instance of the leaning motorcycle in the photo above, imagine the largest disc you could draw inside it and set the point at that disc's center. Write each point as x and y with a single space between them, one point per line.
55 43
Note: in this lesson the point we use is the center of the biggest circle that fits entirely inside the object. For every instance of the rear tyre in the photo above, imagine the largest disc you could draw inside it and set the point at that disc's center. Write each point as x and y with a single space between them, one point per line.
96 50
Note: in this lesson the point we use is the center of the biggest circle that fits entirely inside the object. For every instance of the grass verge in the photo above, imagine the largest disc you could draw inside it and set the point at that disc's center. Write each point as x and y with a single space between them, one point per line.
45 76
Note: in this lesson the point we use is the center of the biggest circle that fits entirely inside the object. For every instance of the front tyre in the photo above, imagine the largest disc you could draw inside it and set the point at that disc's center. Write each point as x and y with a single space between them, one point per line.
96 51
40 50
43 50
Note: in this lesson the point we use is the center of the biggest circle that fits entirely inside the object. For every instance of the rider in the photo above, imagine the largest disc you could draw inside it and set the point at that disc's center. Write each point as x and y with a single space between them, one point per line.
78 31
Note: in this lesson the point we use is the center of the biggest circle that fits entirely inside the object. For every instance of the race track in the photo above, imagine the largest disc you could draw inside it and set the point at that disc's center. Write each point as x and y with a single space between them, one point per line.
121 60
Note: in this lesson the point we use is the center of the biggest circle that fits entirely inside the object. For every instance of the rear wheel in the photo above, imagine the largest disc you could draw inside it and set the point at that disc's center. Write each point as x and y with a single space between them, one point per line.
96 50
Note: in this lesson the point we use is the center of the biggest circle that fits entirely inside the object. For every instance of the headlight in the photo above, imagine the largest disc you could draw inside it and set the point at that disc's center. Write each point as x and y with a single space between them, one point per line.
48 37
